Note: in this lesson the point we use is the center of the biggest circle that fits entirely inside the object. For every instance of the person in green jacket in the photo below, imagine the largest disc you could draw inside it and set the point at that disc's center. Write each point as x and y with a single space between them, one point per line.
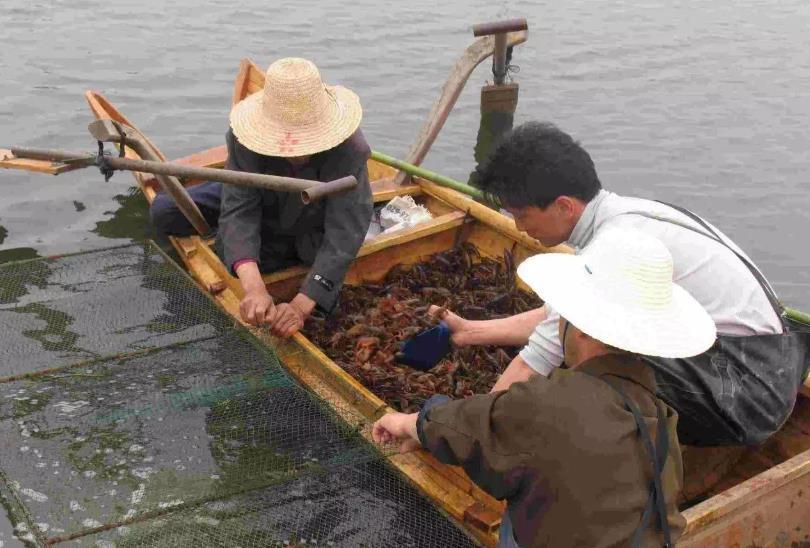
589 455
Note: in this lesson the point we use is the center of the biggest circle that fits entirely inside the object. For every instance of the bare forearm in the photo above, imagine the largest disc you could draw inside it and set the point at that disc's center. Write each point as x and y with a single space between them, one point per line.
517 371
511 331
250 277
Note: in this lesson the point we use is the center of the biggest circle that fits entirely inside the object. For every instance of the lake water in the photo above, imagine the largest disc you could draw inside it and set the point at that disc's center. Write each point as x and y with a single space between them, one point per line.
705 104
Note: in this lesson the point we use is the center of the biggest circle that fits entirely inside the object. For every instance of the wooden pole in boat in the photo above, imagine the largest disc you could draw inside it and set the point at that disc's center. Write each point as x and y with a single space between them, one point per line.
478 51
239 178
310 190
166 172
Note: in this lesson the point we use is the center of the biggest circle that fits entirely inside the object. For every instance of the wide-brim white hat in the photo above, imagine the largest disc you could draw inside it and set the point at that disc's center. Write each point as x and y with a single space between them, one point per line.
295 114
619 290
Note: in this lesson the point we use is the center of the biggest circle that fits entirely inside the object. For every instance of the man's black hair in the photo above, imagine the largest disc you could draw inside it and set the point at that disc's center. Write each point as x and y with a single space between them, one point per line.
534 164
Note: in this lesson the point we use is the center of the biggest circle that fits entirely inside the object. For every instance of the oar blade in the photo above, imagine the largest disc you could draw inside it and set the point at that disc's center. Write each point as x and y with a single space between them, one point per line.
9 161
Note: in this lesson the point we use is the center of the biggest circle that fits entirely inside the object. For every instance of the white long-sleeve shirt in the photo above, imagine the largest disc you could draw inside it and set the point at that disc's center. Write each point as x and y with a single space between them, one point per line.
709 271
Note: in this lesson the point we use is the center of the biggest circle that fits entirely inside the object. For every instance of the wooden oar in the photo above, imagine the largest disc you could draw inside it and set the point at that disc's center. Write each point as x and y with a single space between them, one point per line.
511 34
166 173
314 189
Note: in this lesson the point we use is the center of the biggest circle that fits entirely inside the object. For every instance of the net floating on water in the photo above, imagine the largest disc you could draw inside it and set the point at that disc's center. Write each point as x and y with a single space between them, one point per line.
134 412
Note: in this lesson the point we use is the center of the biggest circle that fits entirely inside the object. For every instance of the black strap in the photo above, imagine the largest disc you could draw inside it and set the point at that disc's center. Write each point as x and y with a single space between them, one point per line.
658 456
712 235
766 287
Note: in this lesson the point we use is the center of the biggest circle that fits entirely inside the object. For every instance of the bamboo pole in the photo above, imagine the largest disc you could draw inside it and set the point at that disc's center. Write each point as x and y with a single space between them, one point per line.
432 176
797 315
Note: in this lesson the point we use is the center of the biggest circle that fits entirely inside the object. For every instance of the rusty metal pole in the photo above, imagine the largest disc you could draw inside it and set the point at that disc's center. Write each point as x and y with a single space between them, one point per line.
312 190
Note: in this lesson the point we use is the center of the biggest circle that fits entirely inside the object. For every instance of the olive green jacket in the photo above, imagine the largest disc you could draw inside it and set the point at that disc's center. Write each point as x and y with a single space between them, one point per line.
564 452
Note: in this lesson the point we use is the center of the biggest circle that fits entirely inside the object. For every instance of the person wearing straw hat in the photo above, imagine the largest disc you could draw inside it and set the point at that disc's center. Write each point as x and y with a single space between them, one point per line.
589 455
298 127
739 392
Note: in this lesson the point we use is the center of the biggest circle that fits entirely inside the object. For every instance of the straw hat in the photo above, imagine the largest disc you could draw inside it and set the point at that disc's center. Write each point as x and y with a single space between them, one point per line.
296 114
620 292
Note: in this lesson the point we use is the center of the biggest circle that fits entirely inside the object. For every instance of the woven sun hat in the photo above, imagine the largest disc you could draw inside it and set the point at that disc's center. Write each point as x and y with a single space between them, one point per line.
295 114
619 290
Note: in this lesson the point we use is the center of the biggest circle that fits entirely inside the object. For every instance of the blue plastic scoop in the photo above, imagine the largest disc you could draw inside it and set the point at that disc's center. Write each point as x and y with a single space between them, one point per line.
425 350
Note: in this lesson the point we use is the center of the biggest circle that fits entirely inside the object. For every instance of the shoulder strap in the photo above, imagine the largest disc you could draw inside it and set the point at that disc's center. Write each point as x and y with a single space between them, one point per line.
712 235
658 456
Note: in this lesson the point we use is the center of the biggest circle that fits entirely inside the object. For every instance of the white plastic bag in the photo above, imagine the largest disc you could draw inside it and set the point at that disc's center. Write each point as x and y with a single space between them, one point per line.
402 212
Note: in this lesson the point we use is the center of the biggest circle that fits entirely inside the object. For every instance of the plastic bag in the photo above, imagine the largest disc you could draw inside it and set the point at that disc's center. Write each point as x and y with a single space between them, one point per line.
402 212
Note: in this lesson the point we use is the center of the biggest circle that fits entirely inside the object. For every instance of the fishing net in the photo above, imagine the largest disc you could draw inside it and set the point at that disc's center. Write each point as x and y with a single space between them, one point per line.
134 412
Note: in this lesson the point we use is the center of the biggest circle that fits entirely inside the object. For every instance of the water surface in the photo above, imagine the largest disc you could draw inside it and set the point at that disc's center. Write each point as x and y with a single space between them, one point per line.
705 104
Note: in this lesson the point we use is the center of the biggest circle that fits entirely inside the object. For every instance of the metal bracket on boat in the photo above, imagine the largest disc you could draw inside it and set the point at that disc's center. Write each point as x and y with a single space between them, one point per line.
101 160
501 54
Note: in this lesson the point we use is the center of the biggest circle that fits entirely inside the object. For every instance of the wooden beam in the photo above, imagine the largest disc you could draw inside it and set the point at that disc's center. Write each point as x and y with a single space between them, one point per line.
386 189
438 224
213 157
240 85
494 219
9 161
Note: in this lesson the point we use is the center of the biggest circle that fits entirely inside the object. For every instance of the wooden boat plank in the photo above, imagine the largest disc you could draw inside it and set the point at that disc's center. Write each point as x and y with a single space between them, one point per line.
104 110
255 80
756 512
492 218
240 86
386 189
9 161
373 268
212 157
437 224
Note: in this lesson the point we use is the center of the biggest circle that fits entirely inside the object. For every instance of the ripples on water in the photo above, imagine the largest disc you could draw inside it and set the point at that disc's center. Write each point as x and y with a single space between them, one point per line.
705 104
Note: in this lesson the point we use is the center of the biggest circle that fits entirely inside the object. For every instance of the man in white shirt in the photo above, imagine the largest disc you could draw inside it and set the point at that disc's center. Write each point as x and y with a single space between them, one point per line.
743 388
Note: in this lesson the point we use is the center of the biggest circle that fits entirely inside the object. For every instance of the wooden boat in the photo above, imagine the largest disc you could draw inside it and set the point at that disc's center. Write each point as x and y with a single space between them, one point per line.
749 496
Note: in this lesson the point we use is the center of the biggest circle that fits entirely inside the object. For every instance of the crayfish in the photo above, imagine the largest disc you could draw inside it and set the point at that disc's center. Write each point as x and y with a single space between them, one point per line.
373 320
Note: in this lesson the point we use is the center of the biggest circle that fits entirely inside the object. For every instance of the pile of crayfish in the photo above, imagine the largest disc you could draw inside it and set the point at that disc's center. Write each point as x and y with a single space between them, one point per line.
365 333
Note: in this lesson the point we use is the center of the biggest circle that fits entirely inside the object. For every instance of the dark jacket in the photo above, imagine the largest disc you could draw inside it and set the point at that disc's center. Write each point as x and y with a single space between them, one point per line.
278 230
564 452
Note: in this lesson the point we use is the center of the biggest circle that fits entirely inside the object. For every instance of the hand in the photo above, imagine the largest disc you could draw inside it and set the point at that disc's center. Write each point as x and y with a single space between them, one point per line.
290 317
397 426
458 326
256 307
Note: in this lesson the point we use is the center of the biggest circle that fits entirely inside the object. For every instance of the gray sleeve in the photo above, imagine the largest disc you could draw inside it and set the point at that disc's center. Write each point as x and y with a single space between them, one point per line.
346 222
240 216
544 353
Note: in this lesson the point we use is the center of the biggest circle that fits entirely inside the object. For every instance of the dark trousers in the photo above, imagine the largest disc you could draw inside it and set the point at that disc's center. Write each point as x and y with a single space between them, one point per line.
278 252
739 392
167 218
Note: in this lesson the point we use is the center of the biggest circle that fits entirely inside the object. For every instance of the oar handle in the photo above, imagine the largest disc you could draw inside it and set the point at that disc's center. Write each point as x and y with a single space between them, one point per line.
499 27
310 190
316 192
53 155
